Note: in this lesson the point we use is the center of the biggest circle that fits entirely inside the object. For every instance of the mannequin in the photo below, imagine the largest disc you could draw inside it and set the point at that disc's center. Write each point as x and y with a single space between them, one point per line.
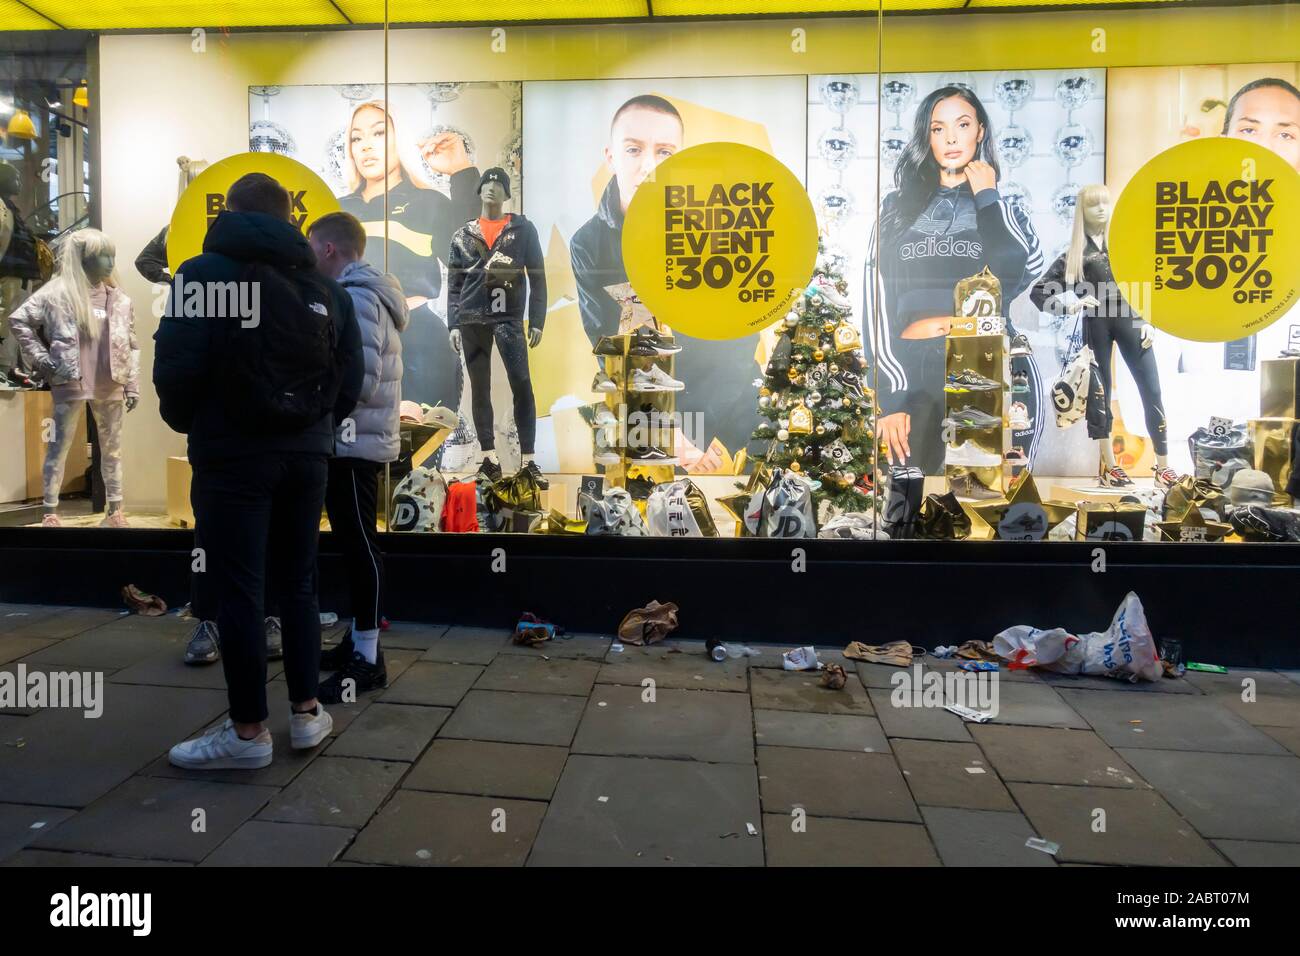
78 333
1080 282
19 269
152 260
493 258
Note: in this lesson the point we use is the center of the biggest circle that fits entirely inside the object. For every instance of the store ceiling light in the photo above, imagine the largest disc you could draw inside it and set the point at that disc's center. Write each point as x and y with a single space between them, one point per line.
21 126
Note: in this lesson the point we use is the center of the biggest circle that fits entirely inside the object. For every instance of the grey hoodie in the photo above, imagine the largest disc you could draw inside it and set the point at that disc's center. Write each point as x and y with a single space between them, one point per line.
371 431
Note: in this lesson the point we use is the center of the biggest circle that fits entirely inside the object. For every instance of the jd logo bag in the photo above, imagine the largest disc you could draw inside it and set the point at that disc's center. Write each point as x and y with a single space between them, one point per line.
284 368
1070 392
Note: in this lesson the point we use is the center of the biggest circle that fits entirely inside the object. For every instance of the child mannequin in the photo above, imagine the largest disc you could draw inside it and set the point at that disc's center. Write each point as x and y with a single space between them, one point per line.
1080 280
78 332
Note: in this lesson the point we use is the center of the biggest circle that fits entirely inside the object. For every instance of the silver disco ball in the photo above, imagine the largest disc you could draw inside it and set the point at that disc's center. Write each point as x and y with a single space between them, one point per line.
1074 89
840 93
1014 143
838 147
1013 90
1072 144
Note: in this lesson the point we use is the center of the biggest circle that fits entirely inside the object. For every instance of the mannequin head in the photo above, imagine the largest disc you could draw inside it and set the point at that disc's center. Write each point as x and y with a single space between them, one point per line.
1267 111
189 171
494 190
1091 216
86 260
10 182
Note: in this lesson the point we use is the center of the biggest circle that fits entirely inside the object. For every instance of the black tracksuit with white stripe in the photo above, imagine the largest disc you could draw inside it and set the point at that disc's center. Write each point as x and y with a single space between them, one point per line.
956 236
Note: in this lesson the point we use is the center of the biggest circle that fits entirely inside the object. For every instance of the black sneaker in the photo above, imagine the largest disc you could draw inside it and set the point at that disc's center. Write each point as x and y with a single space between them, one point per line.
334 658
489 471
650 456
365 676
609 345
648 338
1020 344
532 469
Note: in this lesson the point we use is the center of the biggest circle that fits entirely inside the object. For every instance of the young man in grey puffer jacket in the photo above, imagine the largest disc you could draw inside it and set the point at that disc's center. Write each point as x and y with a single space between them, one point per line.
363 443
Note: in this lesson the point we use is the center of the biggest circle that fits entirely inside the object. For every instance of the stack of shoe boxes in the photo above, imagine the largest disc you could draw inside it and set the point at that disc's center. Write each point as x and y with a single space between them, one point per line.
1279 411
971 348
645 419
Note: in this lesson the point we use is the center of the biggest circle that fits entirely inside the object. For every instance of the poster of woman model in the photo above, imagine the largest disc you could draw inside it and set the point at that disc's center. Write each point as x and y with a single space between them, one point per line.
415 161
590 145
1028 139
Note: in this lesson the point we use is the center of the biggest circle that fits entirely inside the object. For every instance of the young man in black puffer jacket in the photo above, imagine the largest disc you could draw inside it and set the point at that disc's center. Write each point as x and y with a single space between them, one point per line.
260 433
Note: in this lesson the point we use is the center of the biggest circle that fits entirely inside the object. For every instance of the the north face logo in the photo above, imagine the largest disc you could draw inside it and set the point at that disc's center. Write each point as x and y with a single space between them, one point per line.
319 308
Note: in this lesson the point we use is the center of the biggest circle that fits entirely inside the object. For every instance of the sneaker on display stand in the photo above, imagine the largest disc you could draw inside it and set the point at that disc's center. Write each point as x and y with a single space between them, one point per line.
969 455
1115 477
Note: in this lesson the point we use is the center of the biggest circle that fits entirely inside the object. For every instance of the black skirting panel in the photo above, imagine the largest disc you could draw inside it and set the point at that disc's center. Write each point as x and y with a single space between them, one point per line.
1232 604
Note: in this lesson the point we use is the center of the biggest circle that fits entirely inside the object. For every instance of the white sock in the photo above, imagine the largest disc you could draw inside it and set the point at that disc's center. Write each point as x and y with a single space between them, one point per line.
529 456
366 643
490 456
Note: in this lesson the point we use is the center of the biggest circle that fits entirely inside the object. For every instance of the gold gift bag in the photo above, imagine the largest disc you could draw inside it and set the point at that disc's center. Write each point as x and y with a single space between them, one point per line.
1272 440
1110 521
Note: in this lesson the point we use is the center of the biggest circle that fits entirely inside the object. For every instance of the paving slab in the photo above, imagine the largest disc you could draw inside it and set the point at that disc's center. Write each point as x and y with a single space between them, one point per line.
1250 853
467 645
486 768
1052 755
1141 828
156 818
14 616
982 838
772 689
390 732
69 760
684 724
667 667
1035 705
1167 685
513 718
167 668
448 829
791 728
825 841
54 858
1288 737
943 773
537 675
99 649
1261 698
64 623
432 684
410 635
591 647
335 791
831 783
1230 796
630 811
263 843
924 723
20 824
15 648
1293 676
1168 722
882 675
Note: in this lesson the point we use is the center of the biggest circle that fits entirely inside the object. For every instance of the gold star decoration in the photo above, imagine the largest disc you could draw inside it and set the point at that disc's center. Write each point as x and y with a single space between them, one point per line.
1192 527
1022 515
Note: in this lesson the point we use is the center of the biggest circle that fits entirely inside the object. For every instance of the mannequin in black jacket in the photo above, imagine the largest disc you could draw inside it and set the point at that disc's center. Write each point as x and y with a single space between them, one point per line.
1080 282
19 273
493 259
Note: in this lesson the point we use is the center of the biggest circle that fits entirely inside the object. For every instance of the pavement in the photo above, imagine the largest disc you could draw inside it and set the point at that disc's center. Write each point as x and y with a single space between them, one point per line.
577 753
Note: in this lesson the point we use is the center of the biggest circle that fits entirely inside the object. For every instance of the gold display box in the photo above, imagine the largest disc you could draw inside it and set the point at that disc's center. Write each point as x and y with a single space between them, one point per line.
1279 388
989 356
1110 521
1272 440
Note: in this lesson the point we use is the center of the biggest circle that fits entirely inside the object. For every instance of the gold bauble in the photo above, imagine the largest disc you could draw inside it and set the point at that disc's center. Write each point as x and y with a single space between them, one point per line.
795 466
828 326
764 392
819 355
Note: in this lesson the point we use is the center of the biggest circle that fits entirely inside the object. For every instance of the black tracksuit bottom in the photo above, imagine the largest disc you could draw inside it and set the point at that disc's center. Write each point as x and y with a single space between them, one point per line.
509 337
1102 335
260 521
352 503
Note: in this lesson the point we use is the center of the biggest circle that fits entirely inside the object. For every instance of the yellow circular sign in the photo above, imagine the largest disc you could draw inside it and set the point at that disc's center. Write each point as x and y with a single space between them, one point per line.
719 240
309 199
1205 240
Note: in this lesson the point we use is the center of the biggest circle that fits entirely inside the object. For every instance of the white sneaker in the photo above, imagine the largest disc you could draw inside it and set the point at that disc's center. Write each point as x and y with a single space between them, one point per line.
606 456
604 418
970 456
654 379
222 749
1019 417
308 730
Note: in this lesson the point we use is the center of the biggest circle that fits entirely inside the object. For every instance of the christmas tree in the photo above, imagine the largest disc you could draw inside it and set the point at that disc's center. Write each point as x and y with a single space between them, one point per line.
821 417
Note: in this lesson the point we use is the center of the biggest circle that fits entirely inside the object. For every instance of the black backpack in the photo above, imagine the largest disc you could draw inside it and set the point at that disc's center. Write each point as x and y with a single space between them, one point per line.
284 371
